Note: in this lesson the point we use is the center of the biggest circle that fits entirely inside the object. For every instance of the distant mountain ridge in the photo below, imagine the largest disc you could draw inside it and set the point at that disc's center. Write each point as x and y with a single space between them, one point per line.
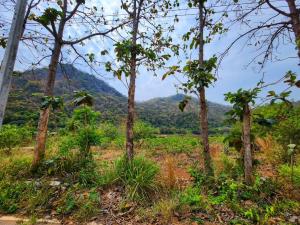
25 99
164 113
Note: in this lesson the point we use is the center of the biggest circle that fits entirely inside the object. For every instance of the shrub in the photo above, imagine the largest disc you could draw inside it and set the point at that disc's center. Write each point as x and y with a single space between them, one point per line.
11 195
15 169
83 205
138 176
143 130
108 130
286 173
165 208
87 137
191 197
12 136
231 167
83 116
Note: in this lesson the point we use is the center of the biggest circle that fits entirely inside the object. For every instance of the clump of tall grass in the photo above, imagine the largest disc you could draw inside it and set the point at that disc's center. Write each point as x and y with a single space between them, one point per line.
138 177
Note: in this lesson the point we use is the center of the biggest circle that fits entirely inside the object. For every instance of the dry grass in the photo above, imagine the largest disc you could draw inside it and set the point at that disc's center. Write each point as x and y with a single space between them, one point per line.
170 177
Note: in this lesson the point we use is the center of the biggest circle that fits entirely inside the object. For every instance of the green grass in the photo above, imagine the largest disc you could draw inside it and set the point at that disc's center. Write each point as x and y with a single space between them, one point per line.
137 176
172 143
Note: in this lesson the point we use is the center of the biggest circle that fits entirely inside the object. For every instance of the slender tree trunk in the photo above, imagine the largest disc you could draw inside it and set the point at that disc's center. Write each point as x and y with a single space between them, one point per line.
39 150
247 145
203 104
131 91
295 17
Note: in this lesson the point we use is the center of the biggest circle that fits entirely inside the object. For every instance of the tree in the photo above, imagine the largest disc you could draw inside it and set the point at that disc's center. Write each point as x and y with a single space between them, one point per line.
280 23
241 109
59 14
143 48
200 72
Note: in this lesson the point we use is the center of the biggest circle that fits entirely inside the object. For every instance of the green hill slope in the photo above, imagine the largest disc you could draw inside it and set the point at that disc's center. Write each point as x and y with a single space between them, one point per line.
27 89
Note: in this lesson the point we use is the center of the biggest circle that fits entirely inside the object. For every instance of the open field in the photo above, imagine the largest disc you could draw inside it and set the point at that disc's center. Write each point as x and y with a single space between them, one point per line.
77 192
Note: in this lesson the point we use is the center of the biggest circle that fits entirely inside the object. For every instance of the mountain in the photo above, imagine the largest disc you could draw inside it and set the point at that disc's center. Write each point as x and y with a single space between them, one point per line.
165 113
27 88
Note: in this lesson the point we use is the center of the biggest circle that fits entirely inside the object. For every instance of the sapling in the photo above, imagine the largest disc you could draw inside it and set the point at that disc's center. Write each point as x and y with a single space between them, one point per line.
291 153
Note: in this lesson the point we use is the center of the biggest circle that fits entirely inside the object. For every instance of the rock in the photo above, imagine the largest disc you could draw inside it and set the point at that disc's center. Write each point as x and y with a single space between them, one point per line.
294 219
54 183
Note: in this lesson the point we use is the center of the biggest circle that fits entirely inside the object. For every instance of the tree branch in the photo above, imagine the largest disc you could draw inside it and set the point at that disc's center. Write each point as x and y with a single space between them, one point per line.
277 10
93 35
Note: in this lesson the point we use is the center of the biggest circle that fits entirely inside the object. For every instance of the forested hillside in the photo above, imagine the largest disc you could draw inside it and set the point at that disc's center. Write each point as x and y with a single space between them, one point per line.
165 113
27 89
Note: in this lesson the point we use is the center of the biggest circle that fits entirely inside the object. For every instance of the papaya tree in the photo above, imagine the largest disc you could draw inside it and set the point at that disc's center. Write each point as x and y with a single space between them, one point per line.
241 110
54 19
200 76
145 46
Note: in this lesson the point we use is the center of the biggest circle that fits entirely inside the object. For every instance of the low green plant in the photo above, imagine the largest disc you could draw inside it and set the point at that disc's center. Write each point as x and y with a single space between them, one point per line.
165 208
252 214
231 167
12 136
137 176
191 197
40 198
87 137
12 193
15 168
83 205
287 174
172 143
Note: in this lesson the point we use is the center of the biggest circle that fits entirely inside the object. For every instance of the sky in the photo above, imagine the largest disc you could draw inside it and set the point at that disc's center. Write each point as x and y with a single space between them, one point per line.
234 72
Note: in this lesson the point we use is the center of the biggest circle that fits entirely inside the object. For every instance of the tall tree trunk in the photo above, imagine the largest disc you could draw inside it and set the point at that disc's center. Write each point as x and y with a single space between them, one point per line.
131 91
247 144
204 133
203 105
39 150
295 16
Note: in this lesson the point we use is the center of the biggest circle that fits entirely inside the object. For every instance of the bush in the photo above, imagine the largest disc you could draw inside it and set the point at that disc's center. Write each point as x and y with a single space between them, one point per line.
87 137
108 133
191 197
83 116
231 167
285 172
138 177
143 130
11 195
82 205
12 136
108 130
15 168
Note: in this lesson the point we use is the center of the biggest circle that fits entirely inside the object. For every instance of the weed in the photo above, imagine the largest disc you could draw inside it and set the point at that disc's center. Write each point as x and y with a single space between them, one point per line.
138 176
12 194
12 136
165 208
173 144
82 204
191 197
40 198
287 174
170 177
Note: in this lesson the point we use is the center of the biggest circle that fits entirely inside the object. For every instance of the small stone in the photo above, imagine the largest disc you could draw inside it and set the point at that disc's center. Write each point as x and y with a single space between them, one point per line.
54 183
294 219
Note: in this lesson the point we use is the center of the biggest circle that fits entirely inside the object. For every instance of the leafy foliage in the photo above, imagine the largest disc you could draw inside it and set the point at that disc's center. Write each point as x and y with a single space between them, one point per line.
239 99
12 136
